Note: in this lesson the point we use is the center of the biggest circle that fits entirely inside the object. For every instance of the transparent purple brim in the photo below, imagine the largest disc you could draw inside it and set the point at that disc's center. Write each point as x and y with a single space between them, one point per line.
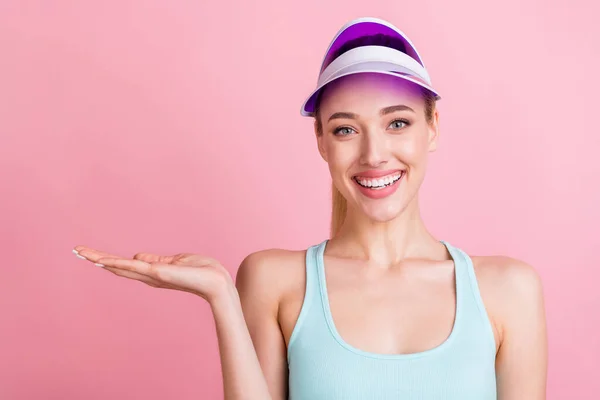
309 106
365 29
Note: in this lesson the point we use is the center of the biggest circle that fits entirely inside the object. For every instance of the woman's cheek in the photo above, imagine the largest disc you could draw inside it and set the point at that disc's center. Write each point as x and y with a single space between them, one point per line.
341 159
412 151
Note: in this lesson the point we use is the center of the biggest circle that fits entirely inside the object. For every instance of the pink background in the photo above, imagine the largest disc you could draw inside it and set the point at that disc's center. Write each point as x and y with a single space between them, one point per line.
174 126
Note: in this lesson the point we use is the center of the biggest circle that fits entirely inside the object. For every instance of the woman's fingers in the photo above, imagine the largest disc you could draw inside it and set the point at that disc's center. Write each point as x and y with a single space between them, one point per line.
91 254
137 266
94 255
134 275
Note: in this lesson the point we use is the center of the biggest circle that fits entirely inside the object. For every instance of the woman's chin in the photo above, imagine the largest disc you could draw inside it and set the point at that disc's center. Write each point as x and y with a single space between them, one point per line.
381 212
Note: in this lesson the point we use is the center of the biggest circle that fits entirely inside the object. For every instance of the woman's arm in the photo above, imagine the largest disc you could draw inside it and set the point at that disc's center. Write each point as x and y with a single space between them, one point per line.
242 375
259 282
521 362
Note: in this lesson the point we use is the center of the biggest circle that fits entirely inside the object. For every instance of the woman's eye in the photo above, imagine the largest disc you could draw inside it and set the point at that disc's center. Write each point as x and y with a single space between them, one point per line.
343 131
398 123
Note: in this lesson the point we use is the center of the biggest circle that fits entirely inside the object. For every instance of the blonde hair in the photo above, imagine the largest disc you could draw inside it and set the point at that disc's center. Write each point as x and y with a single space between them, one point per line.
339 205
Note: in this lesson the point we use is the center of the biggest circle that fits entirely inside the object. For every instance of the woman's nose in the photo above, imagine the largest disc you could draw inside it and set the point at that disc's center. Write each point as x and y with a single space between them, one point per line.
374 149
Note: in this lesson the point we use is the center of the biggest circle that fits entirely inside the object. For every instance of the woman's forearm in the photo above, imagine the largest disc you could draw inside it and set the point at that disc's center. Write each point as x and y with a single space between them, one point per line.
242 375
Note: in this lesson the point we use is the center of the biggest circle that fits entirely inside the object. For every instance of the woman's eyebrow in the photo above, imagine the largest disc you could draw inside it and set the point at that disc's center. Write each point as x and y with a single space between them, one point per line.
391 109
343 115
383 111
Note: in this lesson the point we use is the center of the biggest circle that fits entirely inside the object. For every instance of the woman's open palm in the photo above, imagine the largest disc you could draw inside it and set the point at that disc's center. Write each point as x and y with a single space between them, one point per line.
187 272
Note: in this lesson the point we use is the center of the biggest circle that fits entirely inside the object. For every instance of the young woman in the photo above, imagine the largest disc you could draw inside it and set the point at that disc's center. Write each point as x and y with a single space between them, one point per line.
382 309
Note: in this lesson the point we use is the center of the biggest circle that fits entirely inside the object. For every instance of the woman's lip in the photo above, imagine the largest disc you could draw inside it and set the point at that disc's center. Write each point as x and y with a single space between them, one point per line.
372 174
381 192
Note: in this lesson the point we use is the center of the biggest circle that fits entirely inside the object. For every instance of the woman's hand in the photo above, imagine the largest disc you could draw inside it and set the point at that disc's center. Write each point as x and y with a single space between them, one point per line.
200 275
242 373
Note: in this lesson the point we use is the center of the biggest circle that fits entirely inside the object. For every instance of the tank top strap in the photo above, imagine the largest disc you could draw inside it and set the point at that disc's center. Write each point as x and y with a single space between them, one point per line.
469 295
312 271
312 296
461 268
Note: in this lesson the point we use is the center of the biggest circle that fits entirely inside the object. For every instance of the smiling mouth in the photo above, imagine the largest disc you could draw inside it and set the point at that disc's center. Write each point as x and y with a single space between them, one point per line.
379 183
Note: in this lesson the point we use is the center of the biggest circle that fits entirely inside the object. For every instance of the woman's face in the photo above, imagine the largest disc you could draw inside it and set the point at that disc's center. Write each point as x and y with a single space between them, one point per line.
374 134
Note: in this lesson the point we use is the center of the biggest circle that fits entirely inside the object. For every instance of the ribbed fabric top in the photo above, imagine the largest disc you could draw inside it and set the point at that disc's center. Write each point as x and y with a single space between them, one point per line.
323 366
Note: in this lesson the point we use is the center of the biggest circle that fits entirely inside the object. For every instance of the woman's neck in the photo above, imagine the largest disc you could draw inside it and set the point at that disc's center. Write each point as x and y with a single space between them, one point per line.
385 243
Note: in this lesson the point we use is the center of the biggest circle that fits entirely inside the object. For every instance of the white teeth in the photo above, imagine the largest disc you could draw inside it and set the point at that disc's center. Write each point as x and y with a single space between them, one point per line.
378 183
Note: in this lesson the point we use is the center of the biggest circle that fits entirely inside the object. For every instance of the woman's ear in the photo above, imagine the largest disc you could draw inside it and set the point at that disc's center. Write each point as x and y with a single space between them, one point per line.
434 131
319 135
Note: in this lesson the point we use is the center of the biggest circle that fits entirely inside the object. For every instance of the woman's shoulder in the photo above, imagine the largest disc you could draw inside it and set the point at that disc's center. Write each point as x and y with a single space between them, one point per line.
511 290
506 274
272 271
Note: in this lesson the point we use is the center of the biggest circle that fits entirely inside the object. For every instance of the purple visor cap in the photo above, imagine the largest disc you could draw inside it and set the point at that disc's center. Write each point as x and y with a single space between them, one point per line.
374 59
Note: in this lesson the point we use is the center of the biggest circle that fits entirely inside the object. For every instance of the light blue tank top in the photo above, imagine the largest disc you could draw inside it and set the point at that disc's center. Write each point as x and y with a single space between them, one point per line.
323 366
